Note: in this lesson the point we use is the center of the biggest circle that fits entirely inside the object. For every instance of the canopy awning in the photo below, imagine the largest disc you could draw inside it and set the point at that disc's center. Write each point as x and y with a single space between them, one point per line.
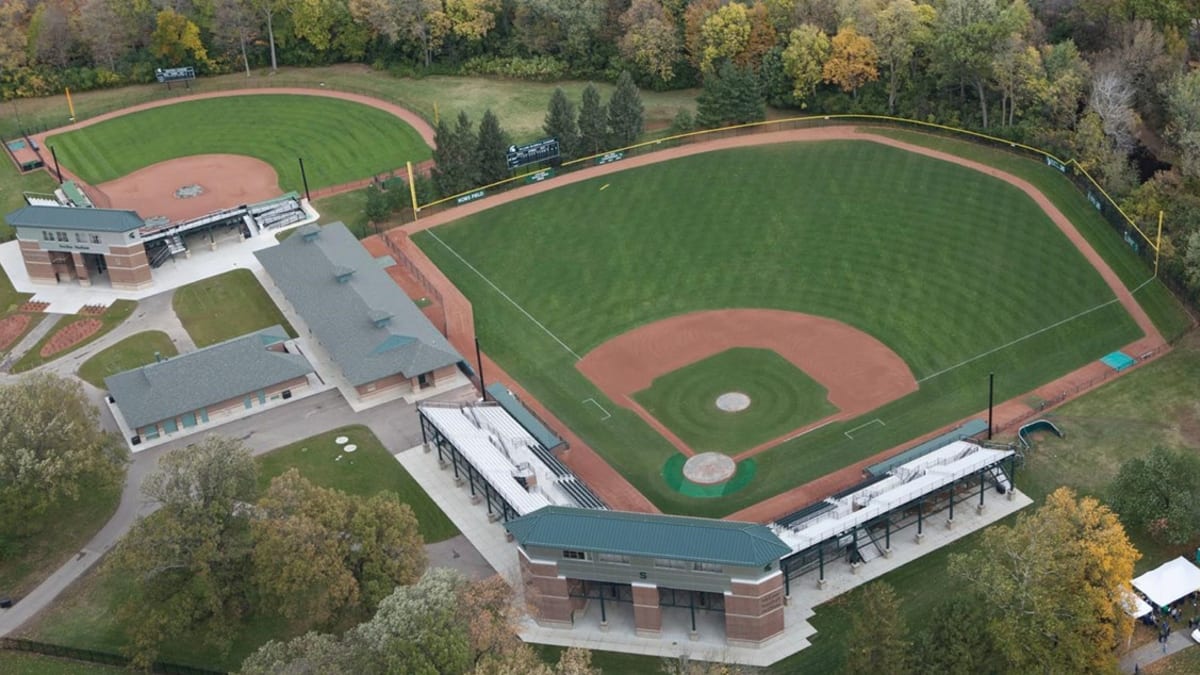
1169 581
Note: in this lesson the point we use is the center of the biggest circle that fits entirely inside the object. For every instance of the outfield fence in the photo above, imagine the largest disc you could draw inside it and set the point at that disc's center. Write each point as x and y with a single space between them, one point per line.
103 658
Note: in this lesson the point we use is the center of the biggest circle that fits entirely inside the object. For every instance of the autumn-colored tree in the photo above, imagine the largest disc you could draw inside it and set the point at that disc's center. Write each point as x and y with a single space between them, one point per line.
1017 70
649 39
1053 586
725 36
804 59
176 39
878 641
851 62
694 18
763 37
1183 127
472 19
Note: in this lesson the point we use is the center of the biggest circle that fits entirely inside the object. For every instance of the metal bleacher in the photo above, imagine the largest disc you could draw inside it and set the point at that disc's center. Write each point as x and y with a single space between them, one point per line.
566 479
968 430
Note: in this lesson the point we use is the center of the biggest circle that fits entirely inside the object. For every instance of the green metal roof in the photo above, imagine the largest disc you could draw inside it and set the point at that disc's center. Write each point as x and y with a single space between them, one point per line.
649 535
205 377
67 218
500 394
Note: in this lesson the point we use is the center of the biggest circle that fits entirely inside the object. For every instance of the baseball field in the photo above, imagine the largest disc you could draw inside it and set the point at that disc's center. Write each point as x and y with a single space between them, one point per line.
340 141
957 273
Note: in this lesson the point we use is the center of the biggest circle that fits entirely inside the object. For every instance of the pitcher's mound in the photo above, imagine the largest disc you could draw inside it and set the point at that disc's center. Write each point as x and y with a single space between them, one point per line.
709 468
734 401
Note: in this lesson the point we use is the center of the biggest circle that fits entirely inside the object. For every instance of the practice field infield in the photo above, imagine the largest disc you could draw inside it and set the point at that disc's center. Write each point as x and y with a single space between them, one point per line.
958 273
340 141
778 397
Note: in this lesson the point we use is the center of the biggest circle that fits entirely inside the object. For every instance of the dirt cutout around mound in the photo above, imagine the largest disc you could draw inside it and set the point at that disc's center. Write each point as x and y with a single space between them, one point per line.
859 372
225 181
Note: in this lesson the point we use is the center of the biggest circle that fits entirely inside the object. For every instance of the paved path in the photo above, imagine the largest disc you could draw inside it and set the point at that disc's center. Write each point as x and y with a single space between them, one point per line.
1153 651
31 338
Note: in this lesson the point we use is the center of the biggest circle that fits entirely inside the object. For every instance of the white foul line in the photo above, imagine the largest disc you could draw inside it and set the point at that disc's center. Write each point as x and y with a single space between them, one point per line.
597 404
865 424
497 289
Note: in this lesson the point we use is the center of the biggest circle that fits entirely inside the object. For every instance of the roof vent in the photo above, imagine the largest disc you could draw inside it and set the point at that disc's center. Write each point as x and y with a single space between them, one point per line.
379 317
343 273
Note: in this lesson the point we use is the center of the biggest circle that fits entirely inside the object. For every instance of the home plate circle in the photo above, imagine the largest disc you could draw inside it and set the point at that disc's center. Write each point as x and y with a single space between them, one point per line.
733 401
709 468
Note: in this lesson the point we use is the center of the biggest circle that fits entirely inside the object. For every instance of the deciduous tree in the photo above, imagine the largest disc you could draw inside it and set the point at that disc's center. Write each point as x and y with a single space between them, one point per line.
724 36
626 116
649 39
177 39
804 59
1053 586
1159 494
103 31
878 636
851 62
1183 126
51 447
902 28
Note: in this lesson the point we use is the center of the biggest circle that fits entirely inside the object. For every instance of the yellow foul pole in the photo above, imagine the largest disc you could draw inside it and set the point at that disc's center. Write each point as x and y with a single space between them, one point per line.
1158 243
412 191
70 104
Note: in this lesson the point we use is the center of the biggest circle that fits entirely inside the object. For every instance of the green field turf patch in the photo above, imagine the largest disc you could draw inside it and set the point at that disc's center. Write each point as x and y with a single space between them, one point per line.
672 474
959 273
782 398
340 141
223 307
136 350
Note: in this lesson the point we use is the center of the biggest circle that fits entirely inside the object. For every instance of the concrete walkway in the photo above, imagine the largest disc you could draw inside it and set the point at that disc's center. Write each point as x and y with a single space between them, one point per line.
1153 651
39 331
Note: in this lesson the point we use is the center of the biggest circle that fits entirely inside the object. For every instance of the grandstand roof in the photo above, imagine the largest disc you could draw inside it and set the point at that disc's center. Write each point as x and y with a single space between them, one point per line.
369 326
90 220
198 379
650 536
500 394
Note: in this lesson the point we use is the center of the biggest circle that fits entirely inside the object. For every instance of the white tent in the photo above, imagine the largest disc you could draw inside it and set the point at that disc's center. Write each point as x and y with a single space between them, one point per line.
1135 606
1169 582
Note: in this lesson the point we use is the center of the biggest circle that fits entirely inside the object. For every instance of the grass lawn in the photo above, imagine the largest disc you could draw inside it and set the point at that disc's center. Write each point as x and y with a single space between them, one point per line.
348 207
136 350
114 316
85 615
25 663
225 306
1186 662
340 141
10 299
1162 306
12 185
875 239
782 398
368 470
54 537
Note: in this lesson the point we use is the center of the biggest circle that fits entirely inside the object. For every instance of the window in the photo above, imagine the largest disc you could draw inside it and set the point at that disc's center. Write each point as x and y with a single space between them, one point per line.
47 235
79 237
62 236
670 564
612 558
574 555
708 567
95 239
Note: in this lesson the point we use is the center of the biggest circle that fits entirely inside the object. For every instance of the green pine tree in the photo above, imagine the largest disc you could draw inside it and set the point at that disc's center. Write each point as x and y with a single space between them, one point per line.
492 149
626 116
593 122
456 167
878 637
560 124
732 95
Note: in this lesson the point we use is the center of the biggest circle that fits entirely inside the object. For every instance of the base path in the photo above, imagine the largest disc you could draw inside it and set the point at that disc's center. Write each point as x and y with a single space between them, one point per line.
859 372
224 180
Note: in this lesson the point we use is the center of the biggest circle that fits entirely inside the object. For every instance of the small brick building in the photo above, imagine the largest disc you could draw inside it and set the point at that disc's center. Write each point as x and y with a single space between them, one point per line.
60 244
571 557
209 385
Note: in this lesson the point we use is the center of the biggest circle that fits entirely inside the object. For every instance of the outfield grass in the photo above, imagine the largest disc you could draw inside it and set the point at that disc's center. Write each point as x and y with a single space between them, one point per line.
136 350
85 616
859 232
114 316
219 308
340 141
782 398
368 470
1160 304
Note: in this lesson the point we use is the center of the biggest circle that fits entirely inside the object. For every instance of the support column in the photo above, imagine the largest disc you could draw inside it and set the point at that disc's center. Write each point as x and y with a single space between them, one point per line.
979 509
950 519
754 611
81 270
920 519
547 592
647 612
